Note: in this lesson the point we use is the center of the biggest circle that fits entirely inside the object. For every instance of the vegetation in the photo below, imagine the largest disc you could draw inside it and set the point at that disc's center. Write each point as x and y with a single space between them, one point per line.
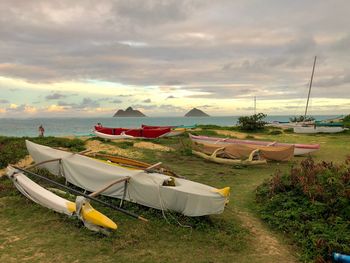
252 123
346 121
32 233
312 204
13 149
301 118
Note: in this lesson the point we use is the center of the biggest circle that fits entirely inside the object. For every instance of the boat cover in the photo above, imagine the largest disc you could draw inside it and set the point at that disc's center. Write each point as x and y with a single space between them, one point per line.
145 188
243 151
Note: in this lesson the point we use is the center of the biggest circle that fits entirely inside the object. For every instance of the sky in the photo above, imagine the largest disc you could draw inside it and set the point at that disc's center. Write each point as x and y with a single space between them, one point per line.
91 58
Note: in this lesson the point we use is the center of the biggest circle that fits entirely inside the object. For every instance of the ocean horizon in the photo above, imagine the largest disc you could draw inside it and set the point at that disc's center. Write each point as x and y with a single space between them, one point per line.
80 126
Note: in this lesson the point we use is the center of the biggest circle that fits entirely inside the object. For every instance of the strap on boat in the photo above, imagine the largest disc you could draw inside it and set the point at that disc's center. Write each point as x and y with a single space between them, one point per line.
124 194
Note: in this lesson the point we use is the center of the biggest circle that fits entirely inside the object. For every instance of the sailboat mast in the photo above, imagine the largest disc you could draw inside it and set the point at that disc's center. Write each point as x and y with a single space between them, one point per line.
254 105
308 96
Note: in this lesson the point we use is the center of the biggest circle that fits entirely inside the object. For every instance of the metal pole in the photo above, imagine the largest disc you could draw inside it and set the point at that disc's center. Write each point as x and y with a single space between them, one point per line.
254 105
308 96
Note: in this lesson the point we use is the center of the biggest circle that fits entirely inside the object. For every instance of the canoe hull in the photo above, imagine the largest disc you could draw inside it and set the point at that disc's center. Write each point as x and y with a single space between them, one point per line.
148 189
299 149
322 129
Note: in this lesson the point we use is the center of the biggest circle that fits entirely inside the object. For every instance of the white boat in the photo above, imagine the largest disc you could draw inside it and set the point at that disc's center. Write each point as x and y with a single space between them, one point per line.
113 137
91 218
318 129
150 189
299 149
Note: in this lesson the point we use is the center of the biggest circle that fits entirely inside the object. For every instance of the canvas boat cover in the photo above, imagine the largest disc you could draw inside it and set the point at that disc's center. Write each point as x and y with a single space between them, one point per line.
243 151
145 188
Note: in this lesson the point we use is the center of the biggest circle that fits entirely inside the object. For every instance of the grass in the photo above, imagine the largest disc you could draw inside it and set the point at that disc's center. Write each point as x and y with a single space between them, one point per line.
31 232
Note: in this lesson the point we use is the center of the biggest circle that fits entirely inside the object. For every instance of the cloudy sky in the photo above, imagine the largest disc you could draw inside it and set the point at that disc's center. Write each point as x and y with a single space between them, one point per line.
90 58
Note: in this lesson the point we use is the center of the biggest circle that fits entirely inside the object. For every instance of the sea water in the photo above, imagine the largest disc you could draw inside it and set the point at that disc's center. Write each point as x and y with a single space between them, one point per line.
84 126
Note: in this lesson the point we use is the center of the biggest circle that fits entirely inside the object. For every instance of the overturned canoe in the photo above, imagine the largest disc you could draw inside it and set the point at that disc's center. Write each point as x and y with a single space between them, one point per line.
299 149
237 152
318 129
150 189
126 133
131 163
91 218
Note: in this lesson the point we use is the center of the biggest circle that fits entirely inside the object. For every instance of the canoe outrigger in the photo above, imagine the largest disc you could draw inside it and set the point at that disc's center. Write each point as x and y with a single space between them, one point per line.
81 208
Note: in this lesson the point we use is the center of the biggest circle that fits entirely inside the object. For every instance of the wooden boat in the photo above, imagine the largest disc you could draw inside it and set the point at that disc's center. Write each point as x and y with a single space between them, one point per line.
91 218
299 149
143 187
126 133
174 130
318 129
250 153
131 163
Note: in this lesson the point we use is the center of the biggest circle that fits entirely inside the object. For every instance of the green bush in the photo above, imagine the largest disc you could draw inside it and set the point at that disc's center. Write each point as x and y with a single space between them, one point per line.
13 149
275 132
289 130
301 118
311 204
252 123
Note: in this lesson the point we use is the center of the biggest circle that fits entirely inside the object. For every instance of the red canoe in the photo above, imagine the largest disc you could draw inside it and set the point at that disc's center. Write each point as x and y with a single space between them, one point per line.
119 133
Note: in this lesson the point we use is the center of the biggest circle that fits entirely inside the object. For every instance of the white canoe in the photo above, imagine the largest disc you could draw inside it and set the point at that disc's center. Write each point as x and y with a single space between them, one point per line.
145 188
113 137
299 149
45 198
312 129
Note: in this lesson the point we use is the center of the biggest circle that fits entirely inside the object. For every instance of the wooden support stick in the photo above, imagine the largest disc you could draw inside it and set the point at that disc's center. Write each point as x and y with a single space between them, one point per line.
47 161
108 186
153 166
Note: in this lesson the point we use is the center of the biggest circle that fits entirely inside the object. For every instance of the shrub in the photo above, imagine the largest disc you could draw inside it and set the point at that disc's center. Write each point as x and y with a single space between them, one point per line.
289 130
301 118
252 123
275 132
311 203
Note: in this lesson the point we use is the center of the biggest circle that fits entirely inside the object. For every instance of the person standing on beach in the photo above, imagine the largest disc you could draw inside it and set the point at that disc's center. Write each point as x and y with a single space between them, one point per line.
41 131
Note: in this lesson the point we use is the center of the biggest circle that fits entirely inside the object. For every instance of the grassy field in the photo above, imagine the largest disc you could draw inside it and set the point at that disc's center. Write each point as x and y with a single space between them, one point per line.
30 233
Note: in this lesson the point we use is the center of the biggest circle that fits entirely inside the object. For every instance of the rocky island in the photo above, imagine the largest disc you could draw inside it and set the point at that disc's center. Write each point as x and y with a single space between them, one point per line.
129 112
196 113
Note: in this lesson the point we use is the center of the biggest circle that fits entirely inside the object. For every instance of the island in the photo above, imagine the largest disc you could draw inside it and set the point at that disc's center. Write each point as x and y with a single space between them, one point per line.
129 112
196 113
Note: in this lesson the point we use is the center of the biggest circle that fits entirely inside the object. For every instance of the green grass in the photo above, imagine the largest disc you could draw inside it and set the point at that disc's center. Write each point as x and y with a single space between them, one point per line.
31 232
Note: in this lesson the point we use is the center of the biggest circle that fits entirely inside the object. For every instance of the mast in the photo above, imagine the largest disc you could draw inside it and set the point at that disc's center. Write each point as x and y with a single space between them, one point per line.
254 105
308 96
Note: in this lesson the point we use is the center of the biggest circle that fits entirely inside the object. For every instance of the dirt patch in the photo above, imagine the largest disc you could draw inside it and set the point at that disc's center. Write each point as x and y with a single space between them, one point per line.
152 146
238 135
97 146
265 243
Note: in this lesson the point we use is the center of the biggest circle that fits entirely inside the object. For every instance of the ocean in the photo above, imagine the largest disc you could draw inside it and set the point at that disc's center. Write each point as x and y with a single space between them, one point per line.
83 126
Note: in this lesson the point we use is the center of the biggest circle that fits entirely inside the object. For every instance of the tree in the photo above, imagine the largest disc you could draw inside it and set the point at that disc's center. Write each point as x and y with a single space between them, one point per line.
252 123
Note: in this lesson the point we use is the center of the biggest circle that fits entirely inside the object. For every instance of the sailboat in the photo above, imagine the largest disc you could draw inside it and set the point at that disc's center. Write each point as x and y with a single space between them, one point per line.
314 127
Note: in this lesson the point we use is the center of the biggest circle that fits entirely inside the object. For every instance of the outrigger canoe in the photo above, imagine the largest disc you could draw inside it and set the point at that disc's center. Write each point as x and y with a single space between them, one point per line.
299 149
148 188
318 129
126 133
91 218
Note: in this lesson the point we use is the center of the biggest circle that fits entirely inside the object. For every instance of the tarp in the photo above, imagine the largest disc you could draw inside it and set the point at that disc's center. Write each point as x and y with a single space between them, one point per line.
242 151
186 197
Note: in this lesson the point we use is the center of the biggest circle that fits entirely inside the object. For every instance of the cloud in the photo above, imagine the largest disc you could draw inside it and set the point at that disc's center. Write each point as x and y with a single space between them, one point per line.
194 50
55 96
3 101
84 104
147 101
